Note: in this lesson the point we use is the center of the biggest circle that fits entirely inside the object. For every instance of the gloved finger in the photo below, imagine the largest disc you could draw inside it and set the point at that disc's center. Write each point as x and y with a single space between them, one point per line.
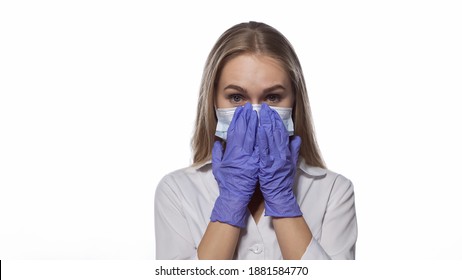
251 133
265 119
256 149
295 145
265 132
273 146
281 136
278 149
237 127
236 115
262 143
217 152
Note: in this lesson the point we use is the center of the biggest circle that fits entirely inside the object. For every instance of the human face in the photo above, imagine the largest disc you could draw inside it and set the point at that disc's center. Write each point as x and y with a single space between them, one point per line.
255 79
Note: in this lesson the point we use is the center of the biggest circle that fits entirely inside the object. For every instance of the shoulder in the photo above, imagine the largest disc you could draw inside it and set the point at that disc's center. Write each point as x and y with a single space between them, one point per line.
187 181
178 177
324 176
331 188
338 179
340 189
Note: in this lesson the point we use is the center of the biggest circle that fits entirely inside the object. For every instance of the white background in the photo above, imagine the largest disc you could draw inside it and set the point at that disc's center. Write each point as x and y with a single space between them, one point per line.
98 100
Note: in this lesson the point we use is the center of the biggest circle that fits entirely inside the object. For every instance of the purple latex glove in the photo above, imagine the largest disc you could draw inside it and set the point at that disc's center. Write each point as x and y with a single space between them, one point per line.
278 165
236 171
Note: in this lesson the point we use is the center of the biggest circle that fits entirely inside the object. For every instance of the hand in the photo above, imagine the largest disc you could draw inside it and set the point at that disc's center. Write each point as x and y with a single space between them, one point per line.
237 170
278 165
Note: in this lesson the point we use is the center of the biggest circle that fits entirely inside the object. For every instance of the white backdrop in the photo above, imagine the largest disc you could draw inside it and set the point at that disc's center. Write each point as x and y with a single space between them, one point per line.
98 100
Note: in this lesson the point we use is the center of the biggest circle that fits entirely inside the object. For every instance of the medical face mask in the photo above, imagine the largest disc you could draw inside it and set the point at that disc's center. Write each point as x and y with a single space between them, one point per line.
224 117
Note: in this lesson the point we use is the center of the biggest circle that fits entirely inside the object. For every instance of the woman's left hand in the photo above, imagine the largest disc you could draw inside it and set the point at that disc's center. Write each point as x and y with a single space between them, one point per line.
278 165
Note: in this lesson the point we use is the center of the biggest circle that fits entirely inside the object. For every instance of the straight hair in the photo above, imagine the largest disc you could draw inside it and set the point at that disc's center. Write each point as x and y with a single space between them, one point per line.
260 39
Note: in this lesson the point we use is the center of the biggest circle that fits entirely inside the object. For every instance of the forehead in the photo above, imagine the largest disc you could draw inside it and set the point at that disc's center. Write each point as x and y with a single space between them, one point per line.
253 69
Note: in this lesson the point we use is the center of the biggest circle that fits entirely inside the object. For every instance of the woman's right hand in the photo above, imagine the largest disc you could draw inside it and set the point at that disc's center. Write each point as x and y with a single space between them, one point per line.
236 171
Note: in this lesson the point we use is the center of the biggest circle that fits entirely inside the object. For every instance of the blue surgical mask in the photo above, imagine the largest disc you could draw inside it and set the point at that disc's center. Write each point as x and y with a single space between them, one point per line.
224 117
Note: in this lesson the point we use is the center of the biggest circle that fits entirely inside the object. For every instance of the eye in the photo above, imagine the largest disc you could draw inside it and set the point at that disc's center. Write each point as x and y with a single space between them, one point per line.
273 98
236 98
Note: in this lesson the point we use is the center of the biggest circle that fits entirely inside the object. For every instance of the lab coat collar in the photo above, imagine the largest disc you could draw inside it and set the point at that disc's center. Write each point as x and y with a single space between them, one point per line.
311 171
201 165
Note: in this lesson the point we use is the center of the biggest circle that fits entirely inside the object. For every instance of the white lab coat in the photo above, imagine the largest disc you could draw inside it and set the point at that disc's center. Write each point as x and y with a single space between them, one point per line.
184 200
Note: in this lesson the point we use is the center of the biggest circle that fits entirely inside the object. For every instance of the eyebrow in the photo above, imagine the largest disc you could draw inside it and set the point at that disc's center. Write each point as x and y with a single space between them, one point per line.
240 89
270 89
237 88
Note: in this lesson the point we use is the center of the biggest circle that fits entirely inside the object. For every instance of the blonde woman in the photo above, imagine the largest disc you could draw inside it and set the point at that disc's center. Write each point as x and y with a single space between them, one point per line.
258 187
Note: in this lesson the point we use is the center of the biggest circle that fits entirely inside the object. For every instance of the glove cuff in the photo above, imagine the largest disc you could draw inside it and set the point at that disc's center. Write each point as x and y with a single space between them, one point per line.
286 209
232 212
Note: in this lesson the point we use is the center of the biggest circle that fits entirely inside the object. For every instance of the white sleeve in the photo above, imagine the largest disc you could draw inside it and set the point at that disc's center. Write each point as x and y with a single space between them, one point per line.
339 228
173 237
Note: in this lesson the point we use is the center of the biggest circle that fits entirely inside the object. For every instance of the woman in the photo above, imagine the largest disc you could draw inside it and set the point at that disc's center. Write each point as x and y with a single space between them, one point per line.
258 187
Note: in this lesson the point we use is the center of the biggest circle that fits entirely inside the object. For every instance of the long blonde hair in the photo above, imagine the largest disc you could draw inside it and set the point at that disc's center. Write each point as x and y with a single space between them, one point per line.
256 38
